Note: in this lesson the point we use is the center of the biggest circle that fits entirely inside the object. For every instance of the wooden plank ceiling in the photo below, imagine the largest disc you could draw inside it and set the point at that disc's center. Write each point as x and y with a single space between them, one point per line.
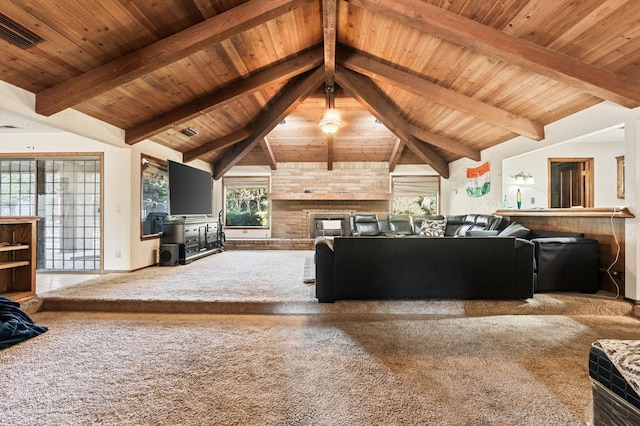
415 82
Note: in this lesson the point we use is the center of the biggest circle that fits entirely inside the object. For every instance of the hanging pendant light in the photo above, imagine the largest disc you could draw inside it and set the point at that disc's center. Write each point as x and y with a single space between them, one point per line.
330 122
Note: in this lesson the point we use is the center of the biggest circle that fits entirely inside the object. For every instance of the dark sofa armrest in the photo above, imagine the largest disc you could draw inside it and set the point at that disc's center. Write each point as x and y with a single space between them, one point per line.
324 260
525 264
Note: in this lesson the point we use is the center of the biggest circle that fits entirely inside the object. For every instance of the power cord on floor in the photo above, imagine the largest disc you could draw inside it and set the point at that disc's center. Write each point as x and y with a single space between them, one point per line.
615 260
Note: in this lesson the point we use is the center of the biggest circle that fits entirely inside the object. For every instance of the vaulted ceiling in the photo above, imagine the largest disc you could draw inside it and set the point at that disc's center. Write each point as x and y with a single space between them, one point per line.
415 82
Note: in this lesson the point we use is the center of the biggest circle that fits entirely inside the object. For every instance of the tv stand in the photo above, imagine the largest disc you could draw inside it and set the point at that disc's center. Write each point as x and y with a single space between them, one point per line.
196 237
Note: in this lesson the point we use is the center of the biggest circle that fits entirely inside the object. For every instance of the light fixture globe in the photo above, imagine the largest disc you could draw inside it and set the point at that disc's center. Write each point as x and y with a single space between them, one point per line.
330 122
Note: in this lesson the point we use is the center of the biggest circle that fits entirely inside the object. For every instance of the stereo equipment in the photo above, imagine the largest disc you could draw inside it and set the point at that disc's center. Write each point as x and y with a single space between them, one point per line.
169 254
195 237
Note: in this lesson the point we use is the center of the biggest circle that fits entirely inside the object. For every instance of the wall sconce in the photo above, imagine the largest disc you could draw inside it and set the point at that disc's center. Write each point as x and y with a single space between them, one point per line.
522 178
330 122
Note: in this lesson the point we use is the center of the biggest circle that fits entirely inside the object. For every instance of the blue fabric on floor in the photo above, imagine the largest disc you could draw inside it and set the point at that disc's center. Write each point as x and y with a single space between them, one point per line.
15 325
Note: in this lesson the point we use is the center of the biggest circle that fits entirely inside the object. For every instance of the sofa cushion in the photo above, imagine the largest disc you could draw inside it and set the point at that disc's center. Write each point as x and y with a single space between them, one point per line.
366 224
417 221
400 224
432 228
515 230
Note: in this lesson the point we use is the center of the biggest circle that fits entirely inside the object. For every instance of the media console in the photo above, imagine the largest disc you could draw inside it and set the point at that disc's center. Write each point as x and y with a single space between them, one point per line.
195 237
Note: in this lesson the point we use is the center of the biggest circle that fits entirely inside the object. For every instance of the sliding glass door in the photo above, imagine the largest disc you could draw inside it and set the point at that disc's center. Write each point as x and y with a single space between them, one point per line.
65 193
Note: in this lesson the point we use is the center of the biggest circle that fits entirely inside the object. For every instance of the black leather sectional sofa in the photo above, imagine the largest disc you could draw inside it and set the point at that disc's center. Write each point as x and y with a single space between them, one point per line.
392 262
423 268
369 225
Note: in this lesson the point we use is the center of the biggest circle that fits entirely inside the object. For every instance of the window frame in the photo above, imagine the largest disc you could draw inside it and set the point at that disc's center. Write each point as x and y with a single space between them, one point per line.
267 186
408 193
147 161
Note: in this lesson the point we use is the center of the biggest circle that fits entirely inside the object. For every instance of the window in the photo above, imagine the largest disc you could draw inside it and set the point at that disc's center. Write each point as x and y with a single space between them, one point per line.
17 187
416 195
155 195
246 201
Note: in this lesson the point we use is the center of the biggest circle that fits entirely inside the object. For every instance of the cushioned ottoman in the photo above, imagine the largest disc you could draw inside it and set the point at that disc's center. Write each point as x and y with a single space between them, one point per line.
566 264
615 400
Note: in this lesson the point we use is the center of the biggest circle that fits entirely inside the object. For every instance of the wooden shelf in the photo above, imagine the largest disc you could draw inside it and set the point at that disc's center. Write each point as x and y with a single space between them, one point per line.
15 264
14 247
18 259
574 212
329 196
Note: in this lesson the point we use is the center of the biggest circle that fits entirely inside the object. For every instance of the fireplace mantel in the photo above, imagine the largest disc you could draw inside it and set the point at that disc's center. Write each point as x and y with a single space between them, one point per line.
338 196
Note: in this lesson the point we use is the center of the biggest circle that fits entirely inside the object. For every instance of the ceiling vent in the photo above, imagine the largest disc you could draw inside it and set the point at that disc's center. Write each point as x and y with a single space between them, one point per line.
188 132
17 34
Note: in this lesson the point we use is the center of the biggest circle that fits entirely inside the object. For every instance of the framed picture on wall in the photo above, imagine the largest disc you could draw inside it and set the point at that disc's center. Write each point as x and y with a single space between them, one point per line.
620 174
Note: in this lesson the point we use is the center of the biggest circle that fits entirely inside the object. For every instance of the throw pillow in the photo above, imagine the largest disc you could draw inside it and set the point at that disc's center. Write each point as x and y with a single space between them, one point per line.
432 228
515 230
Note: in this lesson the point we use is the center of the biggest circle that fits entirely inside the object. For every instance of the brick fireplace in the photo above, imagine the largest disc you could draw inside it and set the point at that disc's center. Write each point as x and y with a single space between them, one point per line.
300 190
318 221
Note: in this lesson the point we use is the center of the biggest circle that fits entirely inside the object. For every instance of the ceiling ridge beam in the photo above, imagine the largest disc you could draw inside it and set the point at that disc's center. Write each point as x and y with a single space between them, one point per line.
285 70
161 53
591 79
329 25
367 93
375 68
281 106
214 145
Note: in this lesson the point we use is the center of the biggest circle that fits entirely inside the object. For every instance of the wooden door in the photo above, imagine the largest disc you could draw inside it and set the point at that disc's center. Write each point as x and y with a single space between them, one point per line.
570 182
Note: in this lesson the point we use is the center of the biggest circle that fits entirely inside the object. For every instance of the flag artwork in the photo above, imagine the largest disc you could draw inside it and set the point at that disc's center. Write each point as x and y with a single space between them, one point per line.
479 182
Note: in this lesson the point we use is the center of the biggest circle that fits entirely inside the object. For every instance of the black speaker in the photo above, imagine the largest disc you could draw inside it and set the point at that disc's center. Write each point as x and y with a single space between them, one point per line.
169 254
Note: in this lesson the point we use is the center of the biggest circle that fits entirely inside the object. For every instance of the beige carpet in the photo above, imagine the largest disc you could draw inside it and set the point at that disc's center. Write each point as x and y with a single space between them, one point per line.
348 363
271 282
163 369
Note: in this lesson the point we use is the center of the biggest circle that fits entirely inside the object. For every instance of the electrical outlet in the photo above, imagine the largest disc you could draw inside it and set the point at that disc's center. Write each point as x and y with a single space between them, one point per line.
533 200
118 254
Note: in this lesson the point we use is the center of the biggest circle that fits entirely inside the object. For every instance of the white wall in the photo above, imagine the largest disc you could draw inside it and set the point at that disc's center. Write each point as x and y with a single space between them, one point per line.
454 199
117 185
632 201
74 132
144 252
605 168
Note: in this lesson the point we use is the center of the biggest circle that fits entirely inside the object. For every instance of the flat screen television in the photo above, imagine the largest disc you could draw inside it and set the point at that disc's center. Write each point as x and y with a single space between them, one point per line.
190 190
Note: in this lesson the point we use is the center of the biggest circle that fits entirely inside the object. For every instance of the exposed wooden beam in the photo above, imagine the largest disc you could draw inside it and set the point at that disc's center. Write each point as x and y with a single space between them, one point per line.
445 143
285 102
161 53
219 143
329 12
363 90
268 153
376 69
596 81
285 70
329 152
395 154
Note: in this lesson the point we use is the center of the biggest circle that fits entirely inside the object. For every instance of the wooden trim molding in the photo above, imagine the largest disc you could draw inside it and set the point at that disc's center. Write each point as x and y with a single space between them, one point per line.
297 196
615 212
